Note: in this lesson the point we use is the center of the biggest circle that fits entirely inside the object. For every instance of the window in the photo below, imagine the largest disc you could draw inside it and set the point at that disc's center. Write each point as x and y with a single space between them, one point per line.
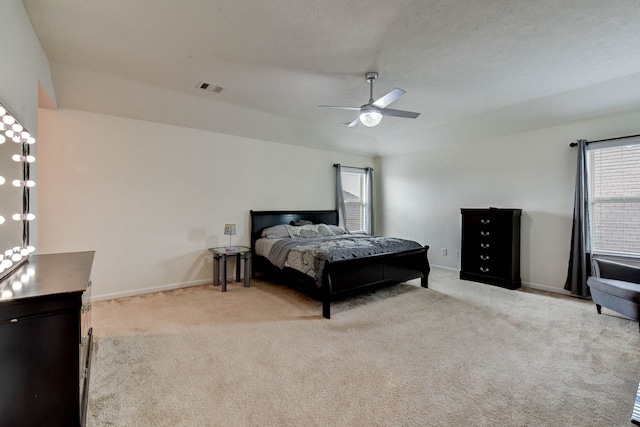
353 191
355 186
614 197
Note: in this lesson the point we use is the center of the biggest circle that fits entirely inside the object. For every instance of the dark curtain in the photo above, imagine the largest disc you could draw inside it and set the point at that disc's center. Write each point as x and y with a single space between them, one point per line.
580 255
369 216
340 206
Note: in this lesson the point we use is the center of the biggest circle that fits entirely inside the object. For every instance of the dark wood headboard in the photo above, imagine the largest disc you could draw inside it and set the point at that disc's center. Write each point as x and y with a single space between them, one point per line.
263 219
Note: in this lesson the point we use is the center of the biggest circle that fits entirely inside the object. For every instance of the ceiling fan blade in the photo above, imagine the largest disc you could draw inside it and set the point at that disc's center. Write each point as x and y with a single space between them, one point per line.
399 113
389 98
340 108
354 122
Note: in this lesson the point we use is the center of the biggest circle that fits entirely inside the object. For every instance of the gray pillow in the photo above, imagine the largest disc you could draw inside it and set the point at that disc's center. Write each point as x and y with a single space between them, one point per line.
276 232
310 230
300 222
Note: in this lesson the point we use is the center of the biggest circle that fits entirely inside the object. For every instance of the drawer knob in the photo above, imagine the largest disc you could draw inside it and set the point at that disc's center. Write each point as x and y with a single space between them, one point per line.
484 245
485 221
484 269
485 233
484 257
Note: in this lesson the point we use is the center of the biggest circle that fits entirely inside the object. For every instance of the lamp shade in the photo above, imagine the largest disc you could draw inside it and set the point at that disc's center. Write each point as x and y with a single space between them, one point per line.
230 229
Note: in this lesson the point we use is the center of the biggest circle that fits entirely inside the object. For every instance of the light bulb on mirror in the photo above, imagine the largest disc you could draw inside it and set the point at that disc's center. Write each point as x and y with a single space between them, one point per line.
19 158
2 139
8 119
2 219
20 217
19 183
6 294
17 127
2 180
16 285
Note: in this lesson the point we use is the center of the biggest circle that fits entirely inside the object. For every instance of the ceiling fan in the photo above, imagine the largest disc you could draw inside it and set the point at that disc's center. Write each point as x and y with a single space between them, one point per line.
371 113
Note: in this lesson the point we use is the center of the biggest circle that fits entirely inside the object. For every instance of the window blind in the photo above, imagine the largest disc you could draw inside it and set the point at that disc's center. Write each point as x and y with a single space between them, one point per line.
614 197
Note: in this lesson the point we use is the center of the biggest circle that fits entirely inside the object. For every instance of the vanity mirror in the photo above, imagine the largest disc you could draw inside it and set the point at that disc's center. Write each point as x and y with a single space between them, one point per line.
15 160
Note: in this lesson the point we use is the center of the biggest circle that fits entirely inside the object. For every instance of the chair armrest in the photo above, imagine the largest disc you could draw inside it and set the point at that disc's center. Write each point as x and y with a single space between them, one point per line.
615 270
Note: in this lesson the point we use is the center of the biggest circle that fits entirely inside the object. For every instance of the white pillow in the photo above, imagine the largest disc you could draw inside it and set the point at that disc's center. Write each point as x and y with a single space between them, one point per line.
337 230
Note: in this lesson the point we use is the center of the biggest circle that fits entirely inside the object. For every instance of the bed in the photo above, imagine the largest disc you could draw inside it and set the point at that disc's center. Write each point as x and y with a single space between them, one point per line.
335 278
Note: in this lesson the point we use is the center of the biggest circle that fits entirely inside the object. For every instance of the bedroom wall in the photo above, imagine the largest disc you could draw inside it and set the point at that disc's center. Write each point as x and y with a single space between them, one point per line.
151 198
25 77
23 64
422 193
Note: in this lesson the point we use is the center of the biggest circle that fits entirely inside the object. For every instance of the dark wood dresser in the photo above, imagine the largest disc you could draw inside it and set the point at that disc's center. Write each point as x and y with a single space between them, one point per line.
45 341
491 246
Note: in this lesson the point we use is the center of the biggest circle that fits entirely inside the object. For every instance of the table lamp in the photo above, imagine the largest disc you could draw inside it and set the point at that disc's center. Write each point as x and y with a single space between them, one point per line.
230 230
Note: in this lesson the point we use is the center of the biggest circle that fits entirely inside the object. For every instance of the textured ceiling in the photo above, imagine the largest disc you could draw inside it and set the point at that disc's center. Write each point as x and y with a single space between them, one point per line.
473 68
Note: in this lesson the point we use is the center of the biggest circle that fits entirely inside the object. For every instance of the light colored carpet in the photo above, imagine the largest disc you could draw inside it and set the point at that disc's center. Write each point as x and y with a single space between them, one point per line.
460 353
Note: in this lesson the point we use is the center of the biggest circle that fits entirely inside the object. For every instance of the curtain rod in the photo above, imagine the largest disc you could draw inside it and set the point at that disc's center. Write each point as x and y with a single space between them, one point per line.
573 144
335 165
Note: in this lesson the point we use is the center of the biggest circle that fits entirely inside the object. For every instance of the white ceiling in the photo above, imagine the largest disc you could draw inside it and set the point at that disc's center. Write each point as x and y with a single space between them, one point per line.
473 68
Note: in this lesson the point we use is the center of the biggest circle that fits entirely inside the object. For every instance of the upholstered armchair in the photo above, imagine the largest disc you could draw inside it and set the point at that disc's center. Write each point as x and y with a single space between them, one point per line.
615 286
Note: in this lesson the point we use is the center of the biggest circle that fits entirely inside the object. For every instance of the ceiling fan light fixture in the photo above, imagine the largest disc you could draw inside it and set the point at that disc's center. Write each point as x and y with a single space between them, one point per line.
371 113
370 116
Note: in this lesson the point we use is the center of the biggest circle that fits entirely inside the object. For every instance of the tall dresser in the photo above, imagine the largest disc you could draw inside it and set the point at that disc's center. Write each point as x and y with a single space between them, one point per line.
491 246
45 341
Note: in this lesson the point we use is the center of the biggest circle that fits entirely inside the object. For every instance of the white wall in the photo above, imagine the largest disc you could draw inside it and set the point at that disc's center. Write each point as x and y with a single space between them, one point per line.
23 64
151 198
24 69
422 193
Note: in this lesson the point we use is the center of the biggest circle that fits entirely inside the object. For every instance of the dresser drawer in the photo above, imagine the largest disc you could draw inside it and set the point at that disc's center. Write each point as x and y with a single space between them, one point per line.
488 264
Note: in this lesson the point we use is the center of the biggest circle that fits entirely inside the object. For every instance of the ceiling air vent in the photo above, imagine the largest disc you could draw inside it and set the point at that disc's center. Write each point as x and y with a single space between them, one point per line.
209 87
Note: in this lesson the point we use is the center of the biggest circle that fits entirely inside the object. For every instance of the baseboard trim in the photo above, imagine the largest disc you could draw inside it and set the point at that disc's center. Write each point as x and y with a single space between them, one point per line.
546 288
530 285
172 286
445 268
149 290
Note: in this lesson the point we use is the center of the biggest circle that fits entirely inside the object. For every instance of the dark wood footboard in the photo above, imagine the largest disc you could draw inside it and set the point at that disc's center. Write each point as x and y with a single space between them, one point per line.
340 278
360 274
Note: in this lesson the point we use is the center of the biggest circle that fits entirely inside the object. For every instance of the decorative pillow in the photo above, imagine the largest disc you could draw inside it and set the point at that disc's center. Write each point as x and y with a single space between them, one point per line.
307 231
276 232
337 230
300 222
